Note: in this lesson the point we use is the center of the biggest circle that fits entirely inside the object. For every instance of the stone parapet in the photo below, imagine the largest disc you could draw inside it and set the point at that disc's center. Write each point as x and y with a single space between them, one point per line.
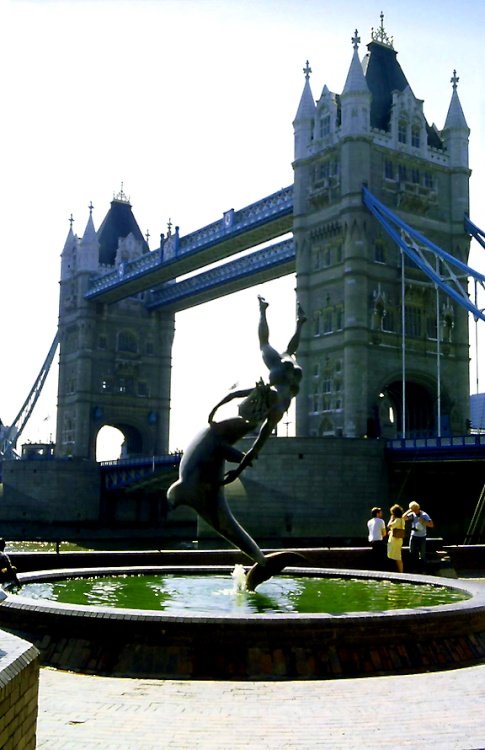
19 686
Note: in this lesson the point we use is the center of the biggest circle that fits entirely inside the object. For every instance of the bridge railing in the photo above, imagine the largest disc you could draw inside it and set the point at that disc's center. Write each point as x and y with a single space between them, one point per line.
125 472
275 255
272 207
419 443
268 208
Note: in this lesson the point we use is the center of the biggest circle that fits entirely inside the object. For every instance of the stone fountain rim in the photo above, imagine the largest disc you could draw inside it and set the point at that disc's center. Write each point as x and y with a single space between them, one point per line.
473 605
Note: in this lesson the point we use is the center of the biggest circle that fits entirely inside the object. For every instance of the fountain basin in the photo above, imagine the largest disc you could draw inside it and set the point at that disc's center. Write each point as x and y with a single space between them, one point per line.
148 643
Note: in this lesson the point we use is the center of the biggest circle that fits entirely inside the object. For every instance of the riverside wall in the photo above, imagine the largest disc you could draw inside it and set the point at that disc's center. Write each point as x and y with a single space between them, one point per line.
305 488
300 491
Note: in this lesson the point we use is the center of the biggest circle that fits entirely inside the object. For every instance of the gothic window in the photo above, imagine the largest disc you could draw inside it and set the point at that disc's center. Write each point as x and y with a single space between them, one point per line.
379 254
327 321
415 136
431 329
68 431
316 323
324 126
142 388
317 259
327 384
126 385
102 342
388 170
428 180
315 400
415 176
327 258
413 321
322 171
326 403
127 342
339 318
403 173
402 131
388 323
338 253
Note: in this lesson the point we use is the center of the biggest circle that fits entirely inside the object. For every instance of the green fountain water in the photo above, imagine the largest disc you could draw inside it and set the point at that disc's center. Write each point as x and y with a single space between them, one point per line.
217 594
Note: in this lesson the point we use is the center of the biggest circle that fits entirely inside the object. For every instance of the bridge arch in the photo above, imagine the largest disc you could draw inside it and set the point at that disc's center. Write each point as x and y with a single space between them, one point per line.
421 408
109 443
133 440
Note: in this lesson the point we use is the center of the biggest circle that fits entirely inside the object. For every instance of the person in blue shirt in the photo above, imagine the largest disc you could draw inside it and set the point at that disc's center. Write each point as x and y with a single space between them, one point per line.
420 523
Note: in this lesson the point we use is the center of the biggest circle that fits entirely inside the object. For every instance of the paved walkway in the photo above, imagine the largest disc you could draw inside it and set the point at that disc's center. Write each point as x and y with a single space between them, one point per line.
441 710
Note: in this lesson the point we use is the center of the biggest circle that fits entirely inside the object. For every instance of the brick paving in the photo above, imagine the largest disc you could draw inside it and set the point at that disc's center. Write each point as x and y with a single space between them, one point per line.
440 710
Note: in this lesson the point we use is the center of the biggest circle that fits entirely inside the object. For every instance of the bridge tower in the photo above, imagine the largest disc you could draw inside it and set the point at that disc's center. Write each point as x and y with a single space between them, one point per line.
115 359
358 293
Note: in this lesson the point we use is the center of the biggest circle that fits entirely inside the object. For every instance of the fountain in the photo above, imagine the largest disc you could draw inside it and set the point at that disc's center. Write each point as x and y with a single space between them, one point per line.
134 642
250 645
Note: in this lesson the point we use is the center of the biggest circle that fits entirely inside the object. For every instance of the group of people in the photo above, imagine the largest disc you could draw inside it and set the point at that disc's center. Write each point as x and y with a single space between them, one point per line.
386 540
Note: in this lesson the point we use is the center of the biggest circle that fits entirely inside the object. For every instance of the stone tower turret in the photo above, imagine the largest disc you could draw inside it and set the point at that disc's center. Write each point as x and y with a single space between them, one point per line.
115 360
349 271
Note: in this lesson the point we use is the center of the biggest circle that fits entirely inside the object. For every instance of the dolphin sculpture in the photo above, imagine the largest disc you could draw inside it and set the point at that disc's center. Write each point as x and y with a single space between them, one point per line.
202 469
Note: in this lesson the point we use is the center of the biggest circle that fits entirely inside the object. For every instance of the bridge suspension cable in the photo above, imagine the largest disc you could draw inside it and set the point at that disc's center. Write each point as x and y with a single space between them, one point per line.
8 442
439 266
435 262
479 235
474 231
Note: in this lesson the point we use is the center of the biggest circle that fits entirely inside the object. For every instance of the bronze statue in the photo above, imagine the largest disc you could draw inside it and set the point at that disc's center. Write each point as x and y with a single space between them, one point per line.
284 383
201 475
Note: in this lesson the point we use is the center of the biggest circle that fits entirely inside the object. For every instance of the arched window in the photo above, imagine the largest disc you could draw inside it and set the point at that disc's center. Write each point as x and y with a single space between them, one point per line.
402 131
324 126
127 342
415 136
316 323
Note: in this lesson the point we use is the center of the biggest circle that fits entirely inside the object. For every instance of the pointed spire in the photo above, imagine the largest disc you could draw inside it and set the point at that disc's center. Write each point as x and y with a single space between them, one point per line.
89 255
89 235
455 119
355 83
306 108
380 35
71 237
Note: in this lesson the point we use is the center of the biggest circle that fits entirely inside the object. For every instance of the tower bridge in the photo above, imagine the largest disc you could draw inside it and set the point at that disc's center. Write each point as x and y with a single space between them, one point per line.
385 353
380 251
363 300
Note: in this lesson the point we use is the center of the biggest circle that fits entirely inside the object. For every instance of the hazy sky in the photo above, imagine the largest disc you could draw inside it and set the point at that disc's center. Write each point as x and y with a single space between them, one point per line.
190 104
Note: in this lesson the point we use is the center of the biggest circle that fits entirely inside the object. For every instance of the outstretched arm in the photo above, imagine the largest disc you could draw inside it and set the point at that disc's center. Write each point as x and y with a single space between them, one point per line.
230 396
267 428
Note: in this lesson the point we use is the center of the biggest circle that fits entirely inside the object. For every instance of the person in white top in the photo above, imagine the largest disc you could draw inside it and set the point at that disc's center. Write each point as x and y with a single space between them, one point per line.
377 533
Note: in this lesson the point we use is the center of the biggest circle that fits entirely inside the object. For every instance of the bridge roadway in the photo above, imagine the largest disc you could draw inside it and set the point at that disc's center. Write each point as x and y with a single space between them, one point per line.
237 231
151 470
263 265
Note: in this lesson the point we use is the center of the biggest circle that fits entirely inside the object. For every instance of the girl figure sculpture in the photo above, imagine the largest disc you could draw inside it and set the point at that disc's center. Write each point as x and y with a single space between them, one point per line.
284 383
